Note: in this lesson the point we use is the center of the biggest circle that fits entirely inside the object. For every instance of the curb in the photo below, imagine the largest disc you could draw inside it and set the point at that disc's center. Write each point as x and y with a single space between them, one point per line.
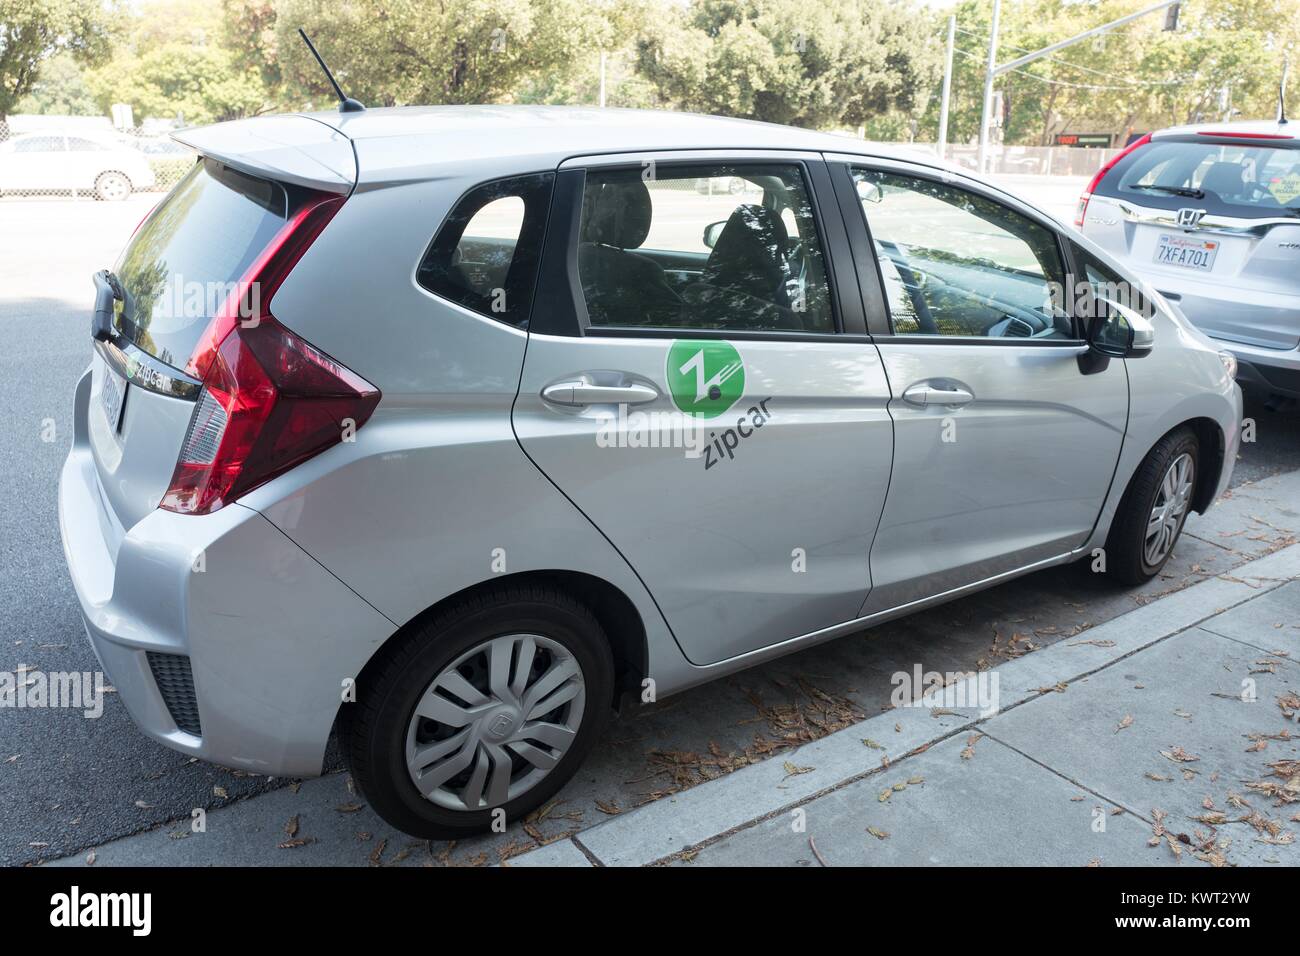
655 831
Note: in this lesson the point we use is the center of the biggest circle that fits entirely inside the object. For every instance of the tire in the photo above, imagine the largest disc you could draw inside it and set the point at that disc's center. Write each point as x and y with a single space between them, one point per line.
381 729
112 187
1129 557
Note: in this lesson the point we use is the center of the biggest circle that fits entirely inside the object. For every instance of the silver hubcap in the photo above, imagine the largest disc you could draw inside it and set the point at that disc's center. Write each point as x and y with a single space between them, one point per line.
1169 510
495 722
113 187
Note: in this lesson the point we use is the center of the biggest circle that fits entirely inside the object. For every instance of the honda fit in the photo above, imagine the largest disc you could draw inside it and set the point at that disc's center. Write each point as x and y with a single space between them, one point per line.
451 430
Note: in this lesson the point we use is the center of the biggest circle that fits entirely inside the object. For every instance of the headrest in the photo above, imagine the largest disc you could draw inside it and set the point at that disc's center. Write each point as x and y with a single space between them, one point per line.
1222 179
616 213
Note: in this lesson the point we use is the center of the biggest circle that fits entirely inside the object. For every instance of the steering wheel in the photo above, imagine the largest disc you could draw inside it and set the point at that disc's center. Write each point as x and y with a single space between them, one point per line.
912 282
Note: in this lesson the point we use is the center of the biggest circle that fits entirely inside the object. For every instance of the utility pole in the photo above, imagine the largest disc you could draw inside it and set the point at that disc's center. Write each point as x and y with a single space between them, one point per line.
947 89
994 71
602 79
991 71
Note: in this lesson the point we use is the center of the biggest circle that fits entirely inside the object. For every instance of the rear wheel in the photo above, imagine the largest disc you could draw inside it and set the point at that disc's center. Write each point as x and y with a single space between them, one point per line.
491 705
112 187
1154 508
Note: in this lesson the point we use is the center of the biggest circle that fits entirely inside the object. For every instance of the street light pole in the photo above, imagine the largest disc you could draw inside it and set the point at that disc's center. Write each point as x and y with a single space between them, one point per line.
947 89
994 70
989 74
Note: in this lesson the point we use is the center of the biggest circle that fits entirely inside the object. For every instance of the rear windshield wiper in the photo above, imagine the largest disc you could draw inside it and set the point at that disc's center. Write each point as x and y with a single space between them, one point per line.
1173 190
108 290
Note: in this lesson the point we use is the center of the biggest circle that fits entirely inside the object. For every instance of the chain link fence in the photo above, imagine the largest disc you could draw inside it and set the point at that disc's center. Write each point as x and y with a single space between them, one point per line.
1024 160
86 158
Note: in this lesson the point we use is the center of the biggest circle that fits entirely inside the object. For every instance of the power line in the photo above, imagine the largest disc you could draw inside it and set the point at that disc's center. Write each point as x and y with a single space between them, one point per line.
1067 83
1075 66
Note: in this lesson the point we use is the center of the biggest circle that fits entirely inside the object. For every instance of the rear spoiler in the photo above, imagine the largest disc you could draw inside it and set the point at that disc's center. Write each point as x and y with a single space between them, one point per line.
289 148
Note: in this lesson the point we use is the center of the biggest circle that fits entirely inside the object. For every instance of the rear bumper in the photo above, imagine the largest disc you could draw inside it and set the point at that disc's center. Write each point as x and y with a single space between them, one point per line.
1267 370
268 634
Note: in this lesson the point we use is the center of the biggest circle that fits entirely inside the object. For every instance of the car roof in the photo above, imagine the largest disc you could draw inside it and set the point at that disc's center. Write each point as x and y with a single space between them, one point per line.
530 129
1238 127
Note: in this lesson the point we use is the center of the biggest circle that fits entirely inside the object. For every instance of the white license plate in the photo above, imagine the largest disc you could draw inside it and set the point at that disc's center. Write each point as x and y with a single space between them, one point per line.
111 394
1186 252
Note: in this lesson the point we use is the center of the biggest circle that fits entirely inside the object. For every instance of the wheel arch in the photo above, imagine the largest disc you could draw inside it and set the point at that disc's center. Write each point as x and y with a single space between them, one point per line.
1212 442
614 610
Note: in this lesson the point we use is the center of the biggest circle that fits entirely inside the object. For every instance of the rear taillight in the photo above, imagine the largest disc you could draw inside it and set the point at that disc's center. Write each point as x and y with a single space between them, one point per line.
1101 174
270 400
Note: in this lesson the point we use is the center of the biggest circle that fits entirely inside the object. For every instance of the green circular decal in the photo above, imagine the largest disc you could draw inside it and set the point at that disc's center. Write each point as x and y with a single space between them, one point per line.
705 378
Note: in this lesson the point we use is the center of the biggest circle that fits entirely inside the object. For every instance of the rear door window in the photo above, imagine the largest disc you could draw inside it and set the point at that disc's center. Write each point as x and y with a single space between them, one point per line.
192 251
485 255
1223 179
703 247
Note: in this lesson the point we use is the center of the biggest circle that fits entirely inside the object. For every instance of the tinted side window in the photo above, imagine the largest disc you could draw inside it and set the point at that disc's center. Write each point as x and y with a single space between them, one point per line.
40 144
485 255
957 263
78 145
703 247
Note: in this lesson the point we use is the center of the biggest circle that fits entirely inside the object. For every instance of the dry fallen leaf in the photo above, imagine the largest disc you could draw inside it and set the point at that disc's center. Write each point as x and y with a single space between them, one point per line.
1126 722
220 792
878 834
291 828
793 771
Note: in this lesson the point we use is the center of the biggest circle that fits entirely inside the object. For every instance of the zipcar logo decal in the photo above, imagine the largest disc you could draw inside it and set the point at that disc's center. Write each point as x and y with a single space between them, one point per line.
705 378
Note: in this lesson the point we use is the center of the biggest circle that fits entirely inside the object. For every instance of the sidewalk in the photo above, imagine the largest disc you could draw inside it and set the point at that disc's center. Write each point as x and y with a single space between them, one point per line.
1167 735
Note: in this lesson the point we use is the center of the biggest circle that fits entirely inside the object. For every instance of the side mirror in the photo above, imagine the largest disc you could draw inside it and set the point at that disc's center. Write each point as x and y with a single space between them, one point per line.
1121 332
869 191
712 232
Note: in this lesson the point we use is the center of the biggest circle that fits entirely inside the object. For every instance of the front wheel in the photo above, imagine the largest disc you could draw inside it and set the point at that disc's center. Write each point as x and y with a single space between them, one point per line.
489 706
1153 510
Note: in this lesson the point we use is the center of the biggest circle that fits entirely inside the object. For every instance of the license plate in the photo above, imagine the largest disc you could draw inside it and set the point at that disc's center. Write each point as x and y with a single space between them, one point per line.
1186 252
111 394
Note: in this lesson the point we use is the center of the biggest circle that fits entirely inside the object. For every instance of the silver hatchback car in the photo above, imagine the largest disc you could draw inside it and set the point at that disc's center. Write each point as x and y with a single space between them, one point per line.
450 430
1210 216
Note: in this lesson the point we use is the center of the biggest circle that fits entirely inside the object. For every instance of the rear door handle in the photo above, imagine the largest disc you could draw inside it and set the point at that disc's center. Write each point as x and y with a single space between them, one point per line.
579 392
930 394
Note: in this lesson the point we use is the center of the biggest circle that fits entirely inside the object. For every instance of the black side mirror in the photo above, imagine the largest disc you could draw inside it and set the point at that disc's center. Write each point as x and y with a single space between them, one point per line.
712 232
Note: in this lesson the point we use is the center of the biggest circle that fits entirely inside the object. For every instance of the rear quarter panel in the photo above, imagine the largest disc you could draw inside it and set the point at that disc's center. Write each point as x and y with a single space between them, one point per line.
435 494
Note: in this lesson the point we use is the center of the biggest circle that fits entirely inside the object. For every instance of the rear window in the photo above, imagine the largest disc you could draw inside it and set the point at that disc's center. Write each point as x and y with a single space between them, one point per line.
193 250
1237 180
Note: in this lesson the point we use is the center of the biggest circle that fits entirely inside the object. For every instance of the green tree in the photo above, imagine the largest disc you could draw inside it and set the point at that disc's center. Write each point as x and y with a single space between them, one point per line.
788 61
413 51
61 89
32 31
197 84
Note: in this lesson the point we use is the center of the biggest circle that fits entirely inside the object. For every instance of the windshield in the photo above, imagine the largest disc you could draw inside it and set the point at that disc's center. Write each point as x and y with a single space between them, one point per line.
1235 179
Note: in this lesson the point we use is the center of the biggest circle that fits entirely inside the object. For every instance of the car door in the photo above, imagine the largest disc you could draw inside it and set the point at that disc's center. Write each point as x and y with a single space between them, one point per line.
38 161
1006 434
700 383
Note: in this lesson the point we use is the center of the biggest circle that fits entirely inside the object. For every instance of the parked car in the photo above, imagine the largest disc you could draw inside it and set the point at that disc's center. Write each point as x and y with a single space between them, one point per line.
491 432
54 161
1210 215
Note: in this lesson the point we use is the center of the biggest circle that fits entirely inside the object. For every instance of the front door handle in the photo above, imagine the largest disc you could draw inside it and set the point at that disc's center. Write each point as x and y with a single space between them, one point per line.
929 393
579 392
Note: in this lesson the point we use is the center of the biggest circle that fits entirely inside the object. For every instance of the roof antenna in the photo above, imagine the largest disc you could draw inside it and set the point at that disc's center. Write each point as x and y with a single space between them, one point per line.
1281 93
346 103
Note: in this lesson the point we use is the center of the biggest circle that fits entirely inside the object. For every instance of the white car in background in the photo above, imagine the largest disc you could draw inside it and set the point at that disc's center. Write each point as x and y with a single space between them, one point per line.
1210 216
50 161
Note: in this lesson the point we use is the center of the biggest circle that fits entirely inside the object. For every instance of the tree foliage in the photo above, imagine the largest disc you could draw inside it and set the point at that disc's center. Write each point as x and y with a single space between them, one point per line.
788 61
32 31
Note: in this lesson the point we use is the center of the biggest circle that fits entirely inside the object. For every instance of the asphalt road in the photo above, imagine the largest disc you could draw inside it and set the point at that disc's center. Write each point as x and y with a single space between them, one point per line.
67 782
